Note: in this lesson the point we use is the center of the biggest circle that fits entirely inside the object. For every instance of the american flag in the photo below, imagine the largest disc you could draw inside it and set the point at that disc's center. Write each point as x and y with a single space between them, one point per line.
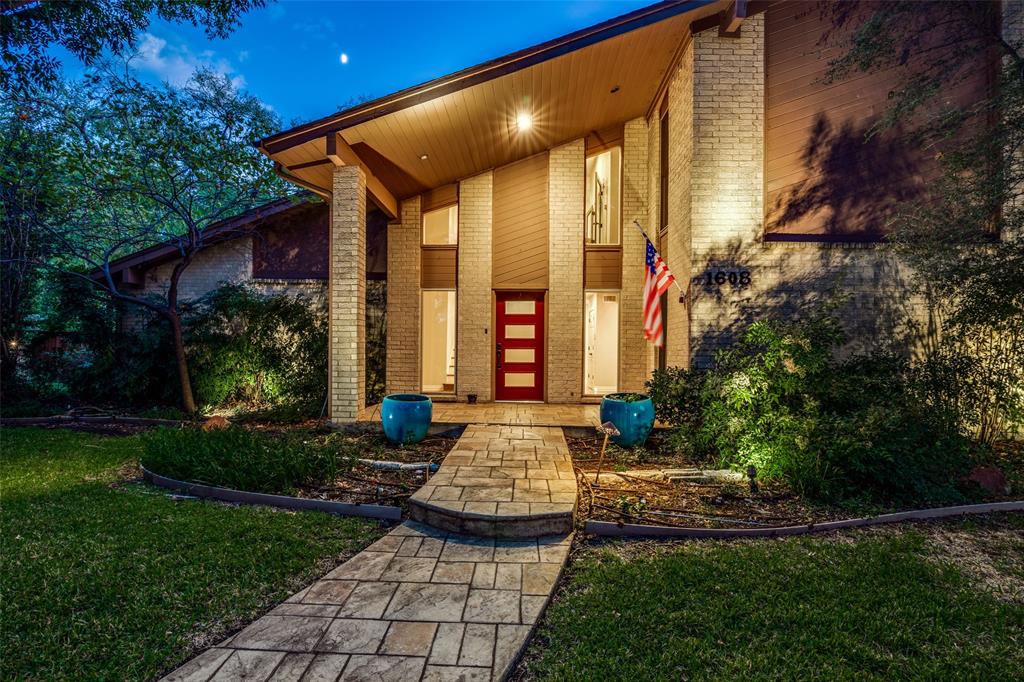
657 279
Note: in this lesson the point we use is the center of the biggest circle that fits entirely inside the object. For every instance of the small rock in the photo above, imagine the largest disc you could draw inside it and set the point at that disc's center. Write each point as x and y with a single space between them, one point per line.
991 479
215 423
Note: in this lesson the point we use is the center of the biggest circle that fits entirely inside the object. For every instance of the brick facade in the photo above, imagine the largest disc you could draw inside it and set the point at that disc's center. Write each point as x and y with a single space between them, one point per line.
636 356
403 332
565 272
347 295
474 341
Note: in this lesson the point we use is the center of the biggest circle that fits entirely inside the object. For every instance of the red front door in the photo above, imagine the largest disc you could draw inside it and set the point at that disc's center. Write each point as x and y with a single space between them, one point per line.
519 346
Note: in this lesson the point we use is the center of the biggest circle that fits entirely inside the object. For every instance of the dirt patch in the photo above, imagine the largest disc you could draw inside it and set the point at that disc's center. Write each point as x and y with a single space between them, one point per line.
990 552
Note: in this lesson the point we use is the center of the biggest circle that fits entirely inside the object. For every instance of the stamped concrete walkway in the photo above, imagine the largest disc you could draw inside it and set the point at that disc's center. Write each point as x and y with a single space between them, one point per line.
502 481
420 603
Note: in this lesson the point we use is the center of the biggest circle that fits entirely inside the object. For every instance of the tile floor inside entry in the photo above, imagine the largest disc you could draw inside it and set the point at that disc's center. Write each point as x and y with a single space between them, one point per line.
419 604
517 414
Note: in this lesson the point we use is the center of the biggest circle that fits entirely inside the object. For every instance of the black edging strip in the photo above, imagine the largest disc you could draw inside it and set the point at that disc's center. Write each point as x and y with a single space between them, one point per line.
611 529
372 511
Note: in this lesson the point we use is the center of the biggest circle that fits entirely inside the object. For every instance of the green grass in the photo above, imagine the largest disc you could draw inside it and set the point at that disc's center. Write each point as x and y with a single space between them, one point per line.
866 606
105 581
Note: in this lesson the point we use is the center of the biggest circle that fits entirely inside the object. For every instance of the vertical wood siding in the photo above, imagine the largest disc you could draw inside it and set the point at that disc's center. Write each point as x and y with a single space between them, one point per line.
823 174
520 224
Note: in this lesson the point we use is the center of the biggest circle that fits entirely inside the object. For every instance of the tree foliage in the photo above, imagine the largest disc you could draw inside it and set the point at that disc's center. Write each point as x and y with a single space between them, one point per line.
89 29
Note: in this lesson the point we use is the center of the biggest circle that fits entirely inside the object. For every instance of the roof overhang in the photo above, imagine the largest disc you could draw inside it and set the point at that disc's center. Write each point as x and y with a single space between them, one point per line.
459 125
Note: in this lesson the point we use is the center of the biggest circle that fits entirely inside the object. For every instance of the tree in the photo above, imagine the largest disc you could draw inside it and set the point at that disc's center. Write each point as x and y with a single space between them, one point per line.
965 236
142 165
90 28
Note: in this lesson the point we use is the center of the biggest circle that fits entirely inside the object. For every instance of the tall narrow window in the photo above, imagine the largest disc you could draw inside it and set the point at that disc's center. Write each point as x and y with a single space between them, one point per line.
603 197
601 361
437 342
441 227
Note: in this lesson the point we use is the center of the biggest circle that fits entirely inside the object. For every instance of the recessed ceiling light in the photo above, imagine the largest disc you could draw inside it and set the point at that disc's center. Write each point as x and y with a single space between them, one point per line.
423 157
524 121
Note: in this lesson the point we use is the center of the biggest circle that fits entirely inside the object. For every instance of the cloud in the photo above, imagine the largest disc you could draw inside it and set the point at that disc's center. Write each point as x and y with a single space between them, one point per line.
243 56
176 64
318 27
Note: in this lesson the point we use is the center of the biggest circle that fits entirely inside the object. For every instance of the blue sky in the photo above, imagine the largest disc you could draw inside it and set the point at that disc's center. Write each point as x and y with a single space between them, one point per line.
289 53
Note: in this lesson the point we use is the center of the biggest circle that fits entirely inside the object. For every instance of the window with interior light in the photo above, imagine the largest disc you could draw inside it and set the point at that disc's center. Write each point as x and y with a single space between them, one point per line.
601 343
441 226
437 341
603 197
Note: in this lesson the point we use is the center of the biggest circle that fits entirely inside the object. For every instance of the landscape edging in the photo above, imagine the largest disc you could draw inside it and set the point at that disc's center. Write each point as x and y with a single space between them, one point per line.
372 511
611 529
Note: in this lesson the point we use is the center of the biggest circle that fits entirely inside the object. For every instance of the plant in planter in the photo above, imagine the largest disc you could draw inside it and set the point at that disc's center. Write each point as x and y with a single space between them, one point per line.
406 417
632 414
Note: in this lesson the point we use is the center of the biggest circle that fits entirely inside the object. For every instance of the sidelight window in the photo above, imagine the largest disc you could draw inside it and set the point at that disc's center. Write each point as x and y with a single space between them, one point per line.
601 338
437 342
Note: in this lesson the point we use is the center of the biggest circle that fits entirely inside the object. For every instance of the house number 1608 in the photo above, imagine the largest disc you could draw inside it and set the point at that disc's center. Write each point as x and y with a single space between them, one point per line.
733 277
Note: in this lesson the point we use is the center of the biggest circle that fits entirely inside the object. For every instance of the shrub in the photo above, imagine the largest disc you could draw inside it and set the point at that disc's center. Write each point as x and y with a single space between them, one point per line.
676 393
778 401
258 350
244 460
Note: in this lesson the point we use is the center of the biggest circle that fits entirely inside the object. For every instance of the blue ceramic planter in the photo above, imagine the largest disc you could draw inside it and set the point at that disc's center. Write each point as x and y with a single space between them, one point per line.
633 418
406 417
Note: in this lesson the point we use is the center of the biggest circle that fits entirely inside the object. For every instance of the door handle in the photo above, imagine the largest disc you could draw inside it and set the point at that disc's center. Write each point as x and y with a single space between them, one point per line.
498 351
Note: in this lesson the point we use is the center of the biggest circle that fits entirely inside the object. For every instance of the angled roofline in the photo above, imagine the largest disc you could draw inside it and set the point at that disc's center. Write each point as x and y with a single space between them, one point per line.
164 251
481 73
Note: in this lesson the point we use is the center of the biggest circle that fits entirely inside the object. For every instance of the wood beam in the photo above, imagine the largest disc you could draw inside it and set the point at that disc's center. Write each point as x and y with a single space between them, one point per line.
732 19
340 154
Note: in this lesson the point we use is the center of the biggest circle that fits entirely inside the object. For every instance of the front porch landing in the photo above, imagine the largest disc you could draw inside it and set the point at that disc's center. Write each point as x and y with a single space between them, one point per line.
510 414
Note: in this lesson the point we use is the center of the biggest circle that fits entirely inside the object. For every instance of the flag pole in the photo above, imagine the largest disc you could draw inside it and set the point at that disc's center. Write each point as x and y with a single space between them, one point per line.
674 280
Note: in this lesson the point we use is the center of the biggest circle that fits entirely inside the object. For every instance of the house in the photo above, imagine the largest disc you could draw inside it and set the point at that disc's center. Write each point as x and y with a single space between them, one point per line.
512 193
279 247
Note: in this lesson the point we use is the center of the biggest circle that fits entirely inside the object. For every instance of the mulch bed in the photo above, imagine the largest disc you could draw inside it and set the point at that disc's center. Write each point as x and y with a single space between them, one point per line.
369 485
630 491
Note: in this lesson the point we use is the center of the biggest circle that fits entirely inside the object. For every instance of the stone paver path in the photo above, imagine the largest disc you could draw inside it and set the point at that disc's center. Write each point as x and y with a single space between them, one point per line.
420 603
502 481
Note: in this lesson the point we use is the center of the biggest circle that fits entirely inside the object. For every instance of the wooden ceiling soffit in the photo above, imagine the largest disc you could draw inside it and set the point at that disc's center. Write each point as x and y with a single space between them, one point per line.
341 154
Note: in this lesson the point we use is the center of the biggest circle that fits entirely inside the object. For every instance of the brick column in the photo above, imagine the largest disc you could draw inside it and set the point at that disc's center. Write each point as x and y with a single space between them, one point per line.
403 332
565 265
475 340
676 249
727 174
635 355
347 295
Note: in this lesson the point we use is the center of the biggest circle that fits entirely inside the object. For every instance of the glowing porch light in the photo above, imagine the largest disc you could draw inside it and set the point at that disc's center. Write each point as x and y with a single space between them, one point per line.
524 121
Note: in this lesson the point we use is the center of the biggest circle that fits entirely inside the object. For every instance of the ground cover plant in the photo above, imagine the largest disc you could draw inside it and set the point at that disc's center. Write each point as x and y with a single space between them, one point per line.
940 601
106 579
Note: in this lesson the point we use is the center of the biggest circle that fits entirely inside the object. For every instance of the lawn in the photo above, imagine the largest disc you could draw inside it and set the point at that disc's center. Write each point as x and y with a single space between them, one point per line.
943 601
103 579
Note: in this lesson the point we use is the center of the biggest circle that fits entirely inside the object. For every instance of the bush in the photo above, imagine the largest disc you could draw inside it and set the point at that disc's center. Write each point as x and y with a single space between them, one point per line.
257 350
676 393
244 460
779 402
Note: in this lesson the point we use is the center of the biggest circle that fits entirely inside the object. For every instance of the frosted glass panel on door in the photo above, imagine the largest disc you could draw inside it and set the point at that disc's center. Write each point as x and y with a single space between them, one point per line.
519 331
519 379
520 307
520 355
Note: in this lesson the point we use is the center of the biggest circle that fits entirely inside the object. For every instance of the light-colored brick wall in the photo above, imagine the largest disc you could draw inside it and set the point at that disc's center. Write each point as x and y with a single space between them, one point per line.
226 263
347 295
403 334
635 352
676 249
474 344
565 267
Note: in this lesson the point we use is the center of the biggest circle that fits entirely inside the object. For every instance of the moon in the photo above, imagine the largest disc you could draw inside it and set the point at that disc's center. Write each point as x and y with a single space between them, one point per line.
343 58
